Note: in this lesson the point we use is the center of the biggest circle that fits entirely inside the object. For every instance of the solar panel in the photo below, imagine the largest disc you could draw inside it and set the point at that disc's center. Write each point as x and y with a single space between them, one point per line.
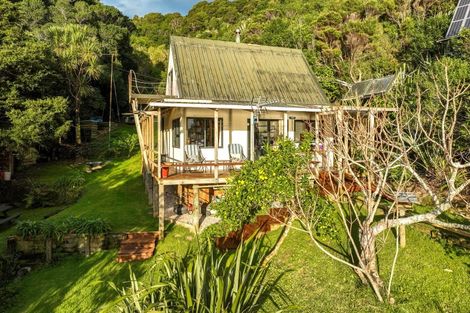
461 18
370 87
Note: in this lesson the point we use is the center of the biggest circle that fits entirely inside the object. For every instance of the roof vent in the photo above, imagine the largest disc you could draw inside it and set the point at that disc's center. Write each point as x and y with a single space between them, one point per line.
237 35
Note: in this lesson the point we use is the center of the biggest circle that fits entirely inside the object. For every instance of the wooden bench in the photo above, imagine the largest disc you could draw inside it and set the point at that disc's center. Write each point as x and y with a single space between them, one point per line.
9 219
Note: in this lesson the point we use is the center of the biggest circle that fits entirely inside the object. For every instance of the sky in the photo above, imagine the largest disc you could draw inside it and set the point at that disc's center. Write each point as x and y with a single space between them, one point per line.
142 7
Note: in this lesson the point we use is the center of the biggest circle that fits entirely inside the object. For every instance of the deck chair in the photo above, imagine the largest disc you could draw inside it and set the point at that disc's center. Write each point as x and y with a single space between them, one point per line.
194 155
235 151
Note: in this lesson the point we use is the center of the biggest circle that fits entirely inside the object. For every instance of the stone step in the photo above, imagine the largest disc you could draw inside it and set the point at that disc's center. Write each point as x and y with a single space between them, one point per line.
129 249
136 253
137 246
133 257
143 235
136 241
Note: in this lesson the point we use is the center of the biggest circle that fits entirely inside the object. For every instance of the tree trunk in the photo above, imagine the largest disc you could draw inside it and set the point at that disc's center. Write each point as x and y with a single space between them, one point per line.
78 135
48 250
279 242
88 246
368 258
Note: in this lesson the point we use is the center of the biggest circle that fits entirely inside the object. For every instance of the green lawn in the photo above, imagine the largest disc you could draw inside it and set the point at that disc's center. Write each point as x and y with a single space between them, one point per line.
115 193
428 277
79 284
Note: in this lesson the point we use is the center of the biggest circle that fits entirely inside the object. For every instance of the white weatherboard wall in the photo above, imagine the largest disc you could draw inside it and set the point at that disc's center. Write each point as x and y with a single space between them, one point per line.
235 129
171 81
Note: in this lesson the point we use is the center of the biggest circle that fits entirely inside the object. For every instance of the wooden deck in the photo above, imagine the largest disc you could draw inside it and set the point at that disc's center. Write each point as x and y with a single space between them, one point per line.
191 178
196 173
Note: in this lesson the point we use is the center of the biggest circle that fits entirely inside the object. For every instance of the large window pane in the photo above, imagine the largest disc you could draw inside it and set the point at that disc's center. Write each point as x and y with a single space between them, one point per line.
176 133
201 132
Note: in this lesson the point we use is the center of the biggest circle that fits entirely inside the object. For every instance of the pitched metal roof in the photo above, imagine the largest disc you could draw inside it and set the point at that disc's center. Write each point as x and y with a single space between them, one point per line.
370 87
229 71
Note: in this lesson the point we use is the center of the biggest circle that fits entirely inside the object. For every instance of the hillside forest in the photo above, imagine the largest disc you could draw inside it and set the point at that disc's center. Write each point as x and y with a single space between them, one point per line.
56 55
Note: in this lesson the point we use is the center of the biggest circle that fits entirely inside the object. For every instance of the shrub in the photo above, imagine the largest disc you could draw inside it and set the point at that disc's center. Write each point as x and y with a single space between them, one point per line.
66 190
69 188
125 145
29 229
56 229
40 195
261 183
93 227
205 281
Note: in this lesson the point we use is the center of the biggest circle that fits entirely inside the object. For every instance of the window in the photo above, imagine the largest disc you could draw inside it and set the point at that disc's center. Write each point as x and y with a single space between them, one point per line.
176 133
300 127
201 132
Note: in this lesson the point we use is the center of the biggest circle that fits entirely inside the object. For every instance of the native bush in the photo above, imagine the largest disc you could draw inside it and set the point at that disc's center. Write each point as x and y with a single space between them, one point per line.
124 145
28 229
40 195
261 183
69 188
49 229
203 281
66 190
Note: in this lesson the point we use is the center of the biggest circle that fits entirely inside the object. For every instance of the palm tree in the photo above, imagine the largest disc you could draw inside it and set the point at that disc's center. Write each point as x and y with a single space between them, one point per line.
78 50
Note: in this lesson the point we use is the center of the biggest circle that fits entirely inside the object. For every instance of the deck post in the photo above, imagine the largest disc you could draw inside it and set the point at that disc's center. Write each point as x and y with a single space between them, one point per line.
252 136
371 120
183 129
152 142
196 208
285 125
159 143
230 121
216 143
155 200
139 134
317 141
340 129
346 135
402 229
161 210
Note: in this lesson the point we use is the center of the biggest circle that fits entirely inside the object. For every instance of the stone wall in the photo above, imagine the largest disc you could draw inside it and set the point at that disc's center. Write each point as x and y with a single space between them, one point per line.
69 244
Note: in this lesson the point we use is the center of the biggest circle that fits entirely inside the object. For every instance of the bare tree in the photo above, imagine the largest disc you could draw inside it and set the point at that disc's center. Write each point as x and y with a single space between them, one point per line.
378 155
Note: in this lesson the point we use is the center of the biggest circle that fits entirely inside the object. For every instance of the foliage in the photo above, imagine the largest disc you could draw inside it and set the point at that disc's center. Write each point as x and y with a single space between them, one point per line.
126 144
8 269
56 229
34 123
29 229
346 40
76 225
259 184
205 281
77 48
65 190
40 46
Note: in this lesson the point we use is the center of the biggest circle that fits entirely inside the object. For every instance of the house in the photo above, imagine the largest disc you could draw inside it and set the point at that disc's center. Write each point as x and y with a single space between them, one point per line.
220 94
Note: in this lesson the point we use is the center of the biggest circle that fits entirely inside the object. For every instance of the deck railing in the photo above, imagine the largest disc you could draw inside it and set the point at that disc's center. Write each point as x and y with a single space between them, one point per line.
203 169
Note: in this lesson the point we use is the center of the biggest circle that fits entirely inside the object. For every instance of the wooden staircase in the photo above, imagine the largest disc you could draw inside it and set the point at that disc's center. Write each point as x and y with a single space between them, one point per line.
137 246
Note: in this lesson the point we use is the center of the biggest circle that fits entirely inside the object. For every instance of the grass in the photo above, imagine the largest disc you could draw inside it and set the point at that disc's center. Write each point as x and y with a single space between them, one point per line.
429 276
115 193
427 279
79 284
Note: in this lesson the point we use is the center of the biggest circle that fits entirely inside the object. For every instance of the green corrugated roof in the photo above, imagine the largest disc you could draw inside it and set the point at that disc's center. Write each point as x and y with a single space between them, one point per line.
229 71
